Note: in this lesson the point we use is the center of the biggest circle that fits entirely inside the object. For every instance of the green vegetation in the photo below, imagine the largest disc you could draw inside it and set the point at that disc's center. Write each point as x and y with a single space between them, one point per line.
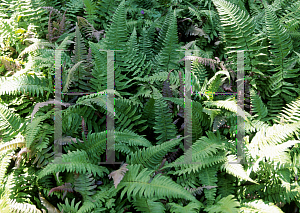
149 106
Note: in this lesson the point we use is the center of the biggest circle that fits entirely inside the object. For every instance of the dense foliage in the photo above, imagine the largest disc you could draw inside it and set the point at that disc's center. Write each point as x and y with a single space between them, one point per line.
149 106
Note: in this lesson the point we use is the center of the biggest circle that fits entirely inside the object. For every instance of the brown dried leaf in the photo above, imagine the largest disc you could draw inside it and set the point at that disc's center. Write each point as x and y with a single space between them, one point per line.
118 174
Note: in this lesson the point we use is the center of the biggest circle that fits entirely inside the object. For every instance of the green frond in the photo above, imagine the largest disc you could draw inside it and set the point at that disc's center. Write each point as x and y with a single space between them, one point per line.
163 121
33 128
127 113
204 153
131 138
135 60
76 161
70 75
25 84
63 45
99 99
234 168
43 157
148 205
259 206
281 46
225 185
160 76
4 163
85 185
258 106
90 10
117 34
281 42
229 105
73 7
152 157
102 199
199 74
158 44
136 181
208 177
166 58
238 31
11 124
69 207
215 82
290 113
15 143
145 44
23 207
226 204
212 114
274 105
35 46
272 136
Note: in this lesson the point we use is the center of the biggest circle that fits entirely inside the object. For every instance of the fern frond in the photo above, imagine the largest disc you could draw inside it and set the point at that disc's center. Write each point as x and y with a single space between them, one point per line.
23 207
259 206
273 135
69 207
24 84
38 43
152 156
18 142
258 106
226 204
230 105
11 123
163 122
76 161
33 128
203 153
136 181
148 205
290 113
68 81
85 185
117 34
236 169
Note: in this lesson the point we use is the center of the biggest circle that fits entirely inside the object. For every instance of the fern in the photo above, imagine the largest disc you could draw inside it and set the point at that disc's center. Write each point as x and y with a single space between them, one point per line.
152 156
163 125
146 205
78 160
258 106
10 122
136 181
226 204
69 207
260 206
